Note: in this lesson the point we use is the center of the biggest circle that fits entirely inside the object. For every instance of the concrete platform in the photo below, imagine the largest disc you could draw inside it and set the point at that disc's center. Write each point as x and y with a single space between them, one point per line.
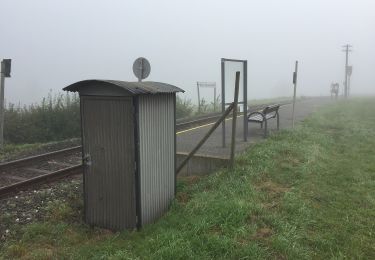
187 140
200 164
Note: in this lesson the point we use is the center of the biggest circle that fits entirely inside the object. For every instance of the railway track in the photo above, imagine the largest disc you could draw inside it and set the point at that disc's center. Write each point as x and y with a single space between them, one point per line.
21 174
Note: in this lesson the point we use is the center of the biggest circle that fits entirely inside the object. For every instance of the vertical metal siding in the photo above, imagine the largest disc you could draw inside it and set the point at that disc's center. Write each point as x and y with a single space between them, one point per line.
157 154
108 132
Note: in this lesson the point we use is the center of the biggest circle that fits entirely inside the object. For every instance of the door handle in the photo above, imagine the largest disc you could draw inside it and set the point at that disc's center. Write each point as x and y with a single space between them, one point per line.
87 160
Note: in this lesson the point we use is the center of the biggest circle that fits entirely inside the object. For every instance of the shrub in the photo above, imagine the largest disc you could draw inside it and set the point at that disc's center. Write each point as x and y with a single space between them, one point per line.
184 107
55 118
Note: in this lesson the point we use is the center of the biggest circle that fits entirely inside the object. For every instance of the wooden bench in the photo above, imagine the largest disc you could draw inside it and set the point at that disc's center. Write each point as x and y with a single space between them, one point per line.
264 115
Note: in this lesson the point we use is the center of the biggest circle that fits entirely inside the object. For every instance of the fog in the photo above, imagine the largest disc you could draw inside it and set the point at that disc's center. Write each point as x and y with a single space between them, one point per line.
56 43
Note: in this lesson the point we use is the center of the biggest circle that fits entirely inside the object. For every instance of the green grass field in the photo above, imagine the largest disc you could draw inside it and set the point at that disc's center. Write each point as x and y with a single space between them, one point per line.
302 194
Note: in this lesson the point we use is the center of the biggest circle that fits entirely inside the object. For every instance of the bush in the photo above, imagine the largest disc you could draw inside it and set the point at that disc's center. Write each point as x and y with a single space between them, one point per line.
184 108
55 118
205 107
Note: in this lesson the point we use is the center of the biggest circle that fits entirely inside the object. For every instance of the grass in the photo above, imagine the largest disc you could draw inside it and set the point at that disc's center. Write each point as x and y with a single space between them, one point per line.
14 149
302 194
17 151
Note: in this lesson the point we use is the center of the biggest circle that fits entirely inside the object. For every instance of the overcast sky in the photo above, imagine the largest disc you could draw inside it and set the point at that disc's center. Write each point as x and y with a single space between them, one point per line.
55 43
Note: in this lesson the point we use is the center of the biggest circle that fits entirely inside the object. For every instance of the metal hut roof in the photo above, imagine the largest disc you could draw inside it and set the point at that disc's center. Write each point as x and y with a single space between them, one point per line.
135 88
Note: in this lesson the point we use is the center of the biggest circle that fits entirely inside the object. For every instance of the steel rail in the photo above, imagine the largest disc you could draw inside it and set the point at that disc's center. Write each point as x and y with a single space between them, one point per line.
77 169
37 158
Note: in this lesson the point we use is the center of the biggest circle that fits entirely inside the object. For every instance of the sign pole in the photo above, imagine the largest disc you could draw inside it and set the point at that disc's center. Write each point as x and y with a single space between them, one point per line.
4 73
245 123
141 68
295 89
199 98
2 83
223 99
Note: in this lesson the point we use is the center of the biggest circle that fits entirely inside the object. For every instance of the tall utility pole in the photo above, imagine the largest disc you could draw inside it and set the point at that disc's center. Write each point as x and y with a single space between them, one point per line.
4 73
346 50
350 70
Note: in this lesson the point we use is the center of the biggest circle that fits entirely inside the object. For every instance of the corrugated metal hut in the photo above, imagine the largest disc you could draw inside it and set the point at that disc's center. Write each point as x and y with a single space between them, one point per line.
129 150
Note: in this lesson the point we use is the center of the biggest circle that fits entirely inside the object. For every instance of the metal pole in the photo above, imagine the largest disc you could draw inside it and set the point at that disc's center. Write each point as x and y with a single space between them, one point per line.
245 128
349 85
346 70
346 87
295 89
199 98
2 87
223 97
234 120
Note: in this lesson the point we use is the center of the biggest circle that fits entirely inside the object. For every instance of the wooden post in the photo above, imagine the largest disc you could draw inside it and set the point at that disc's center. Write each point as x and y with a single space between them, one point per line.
218 122
234 121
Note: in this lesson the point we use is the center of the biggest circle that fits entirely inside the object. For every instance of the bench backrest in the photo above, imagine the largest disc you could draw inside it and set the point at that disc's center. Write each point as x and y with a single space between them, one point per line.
270 109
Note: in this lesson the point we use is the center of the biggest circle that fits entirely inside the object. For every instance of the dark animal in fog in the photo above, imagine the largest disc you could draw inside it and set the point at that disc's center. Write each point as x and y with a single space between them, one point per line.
335 90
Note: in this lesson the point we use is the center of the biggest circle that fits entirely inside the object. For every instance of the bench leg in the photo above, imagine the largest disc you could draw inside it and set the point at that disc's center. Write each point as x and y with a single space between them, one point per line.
265 129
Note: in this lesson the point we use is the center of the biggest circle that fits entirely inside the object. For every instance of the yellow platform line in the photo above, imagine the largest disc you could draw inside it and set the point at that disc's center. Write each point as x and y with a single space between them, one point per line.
201 126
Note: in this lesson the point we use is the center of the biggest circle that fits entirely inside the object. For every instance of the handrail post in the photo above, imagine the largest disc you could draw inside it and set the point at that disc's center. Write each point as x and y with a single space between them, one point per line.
234 121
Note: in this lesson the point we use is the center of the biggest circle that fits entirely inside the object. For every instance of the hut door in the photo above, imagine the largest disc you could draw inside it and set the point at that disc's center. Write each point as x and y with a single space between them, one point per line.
109 159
